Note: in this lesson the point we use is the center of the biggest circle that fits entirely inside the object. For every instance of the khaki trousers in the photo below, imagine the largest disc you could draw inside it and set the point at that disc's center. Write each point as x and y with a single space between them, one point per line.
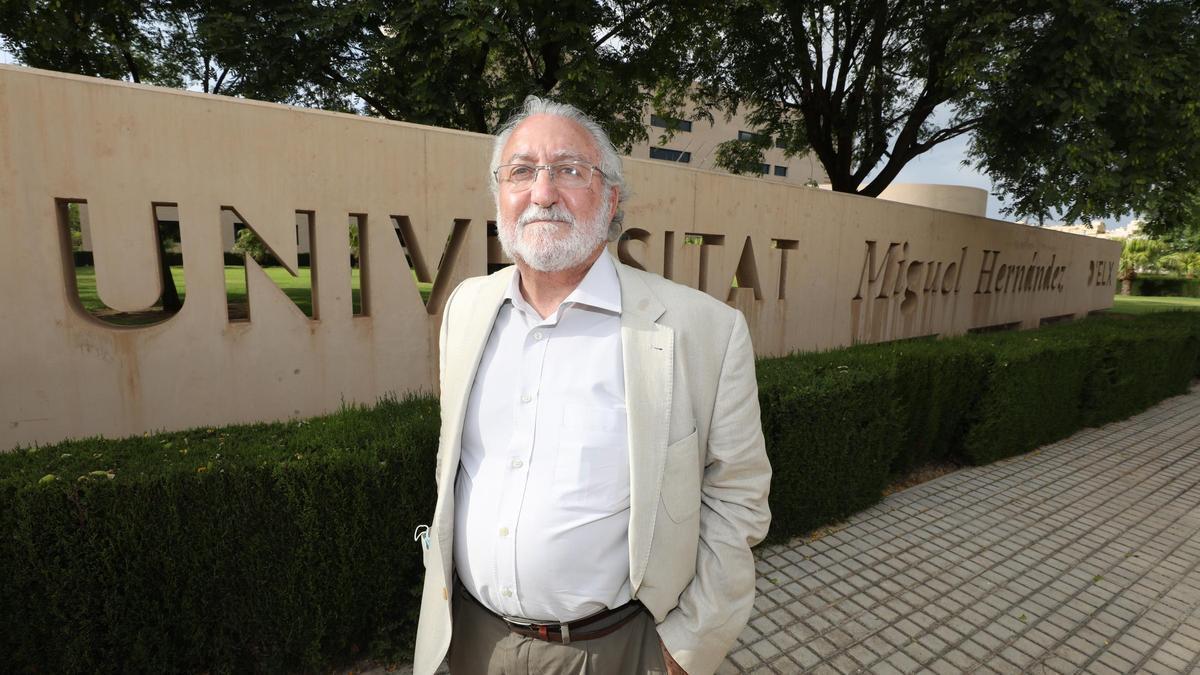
482 644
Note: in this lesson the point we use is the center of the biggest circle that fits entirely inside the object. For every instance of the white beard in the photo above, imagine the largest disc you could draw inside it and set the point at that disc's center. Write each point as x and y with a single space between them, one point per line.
553 246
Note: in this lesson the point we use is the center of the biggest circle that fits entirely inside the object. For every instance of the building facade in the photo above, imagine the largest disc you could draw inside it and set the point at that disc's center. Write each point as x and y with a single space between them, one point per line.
693 143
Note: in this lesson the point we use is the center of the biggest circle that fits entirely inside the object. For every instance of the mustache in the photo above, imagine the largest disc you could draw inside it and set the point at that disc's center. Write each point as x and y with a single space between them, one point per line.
534 213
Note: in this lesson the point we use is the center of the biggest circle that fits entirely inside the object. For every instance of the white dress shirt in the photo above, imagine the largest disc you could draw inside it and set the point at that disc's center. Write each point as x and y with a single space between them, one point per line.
542 495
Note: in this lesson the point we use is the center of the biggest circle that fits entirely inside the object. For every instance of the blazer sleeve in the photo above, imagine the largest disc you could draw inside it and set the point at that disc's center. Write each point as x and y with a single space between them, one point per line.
714 608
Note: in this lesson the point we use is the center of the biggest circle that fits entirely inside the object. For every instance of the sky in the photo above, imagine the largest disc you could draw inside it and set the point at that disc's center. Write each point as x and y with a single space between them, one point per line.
942 165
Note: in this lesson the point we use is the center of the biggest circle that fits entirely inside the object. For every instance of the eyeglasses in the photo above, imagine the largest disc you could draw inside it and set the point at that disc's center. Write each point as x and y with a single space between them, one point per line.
570 175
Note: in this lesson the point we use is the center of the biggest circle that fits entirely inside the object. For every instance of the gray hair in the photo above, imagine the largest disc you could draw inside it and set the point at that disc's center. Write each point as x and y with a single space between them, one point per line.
610 161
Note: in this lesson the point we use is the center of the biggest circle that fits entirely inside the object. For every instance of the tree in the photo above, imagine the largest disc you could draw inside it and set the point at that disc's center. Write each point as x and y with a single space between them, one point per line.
248 243
1061 98
857 83
1137 255
1186 263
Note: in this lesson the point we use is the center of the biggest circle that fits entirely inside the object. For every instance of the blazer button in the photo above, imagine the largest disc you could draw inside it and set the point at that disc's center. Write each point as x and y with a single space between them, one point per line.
445 593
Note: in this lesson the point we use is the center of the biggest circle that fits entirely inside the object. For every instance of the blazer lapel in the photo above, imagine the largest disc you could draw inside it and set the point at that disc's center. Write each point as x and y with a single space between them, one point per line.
648 354
464 349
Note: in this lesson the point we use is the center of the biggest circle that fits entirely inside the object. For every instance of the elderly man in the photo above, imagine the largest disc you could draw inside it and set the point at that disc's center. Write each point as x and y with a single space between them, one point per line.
601 470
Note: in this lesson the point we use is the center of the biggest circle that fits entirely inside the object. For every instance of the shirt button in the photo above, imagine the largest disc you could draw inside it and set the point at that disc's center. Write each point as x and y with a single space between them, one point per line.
516 464
506 592
526 398
538 335
504 532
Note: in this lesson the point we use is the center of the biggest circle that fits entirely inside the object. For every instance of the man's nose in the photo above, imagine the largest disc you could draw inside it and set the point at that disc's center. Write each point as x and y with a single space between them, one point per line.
543 192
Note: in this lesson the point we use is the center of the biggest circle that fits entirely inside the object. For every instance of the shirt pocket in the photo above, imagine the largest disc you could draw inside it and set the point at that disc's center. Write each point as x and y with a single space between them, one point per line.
591 469
681 479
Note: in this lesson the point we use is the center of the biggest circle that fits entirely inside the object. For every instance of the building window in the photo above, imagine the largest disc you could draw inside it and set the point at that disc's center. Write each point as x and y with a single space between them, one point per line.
671 155
779 143
780 170
751 136
764 169
670 123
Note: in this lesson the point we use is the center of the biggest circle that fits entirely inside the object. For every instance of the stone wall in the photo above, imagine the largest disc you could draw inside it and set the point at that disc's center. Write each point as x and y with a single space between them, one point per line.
810 269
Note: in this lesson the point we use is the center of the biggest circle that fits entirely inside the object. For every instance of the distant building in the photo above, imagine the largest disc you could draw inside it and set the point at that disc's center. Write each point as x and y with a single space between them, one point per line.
1097 228
694 145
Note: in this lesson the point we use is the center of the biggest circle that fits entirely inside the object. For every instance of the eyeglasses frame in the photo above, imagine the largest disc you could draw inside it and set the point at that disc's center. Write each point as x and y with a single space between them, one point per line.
547 167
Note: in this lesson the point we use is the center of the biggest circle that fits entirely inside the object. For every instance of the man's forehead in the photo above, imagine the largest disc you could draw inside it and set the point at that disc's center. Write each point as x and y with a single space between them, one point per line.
550 139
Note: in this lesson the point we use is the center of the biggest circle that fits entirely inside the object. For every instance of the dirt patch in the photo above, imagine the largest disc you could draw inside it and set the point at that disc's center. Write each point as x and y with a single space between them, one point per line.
920 475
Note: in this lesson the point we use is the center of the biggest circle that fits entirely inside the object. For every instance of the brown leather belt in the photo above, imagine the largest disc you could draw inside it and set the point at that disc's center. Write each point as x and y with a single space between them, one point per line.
599 624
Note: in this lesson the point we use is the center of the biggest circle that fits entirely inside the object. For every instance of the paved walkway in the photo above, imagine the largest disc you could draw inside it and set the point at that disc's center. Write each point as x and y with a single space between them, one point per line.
1083 556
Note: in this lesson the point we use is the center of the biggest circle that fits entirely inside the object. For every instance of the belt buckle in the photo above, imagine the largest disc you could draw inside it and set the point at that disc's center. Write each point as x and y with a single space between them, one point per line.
543 629
564 631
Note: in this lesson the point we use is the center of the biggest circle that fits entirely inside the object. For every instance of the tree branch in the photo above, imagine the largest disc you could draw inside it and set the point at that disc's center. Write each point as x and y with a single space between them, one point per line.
636 15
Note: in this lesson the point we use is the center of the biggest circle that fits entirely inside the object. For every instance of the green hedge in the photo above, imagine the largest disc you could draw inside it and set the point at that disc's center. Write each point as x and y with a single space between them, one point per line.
1166 285
840 424
288 547
272 547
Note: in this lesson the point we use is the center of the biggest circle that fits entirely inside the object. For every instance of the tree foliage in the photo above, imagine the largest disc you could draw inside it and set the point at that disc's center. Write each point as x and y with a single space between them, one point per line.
461 64
742 156
249 243
1097 112
1087 108
857 83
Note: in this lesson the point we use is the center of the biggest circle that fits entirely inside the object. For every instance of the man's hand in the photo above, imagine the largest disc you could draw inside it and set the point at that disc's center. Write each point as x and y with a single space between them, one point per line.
673 668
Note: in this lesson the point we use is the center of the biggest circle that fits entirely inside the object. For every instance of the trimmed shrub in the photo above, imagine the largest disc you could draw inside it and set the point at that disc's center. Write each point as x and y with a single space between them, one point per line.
830 426
1166 285
271 547
938 384
1135 369
1031 396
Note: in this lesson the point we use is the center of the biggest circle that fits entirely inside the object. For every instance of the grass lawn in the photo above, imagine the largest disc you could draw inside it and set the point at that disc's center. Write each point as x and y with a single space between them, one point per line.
298 288
1138 304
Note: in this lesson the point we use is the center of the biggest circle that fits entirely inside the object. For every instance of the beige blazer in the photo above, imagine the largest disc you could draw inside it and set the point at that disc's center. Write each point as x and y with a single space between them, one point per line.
698 466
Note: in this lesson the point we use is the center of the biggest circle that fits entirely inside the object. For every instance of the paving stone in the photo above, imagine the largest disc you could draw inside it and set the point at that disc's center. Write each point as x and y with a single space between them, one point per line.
894 636
804 656
1170 661
744 658
1100 668
1117 663
903 662
975 650
863 656
764 649
824 648
885 668
784 640
920 653
1157 668
1058 665
960 659
1179 651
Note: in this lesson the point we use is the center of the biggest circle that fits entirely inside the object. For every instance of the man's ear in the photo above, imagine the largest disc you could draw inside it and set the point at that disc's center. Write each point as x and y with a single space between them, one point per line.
613 203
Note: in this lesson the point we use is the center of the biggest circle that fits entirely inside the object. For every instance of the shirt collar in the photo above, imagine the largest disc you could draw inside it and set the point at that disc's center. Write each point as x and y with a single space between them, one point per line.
600 289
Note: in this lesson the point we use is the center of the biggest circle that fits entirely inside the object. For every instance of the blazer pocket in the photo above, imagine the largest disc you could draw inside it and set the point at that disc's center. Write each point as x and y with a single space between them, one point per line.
681 479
